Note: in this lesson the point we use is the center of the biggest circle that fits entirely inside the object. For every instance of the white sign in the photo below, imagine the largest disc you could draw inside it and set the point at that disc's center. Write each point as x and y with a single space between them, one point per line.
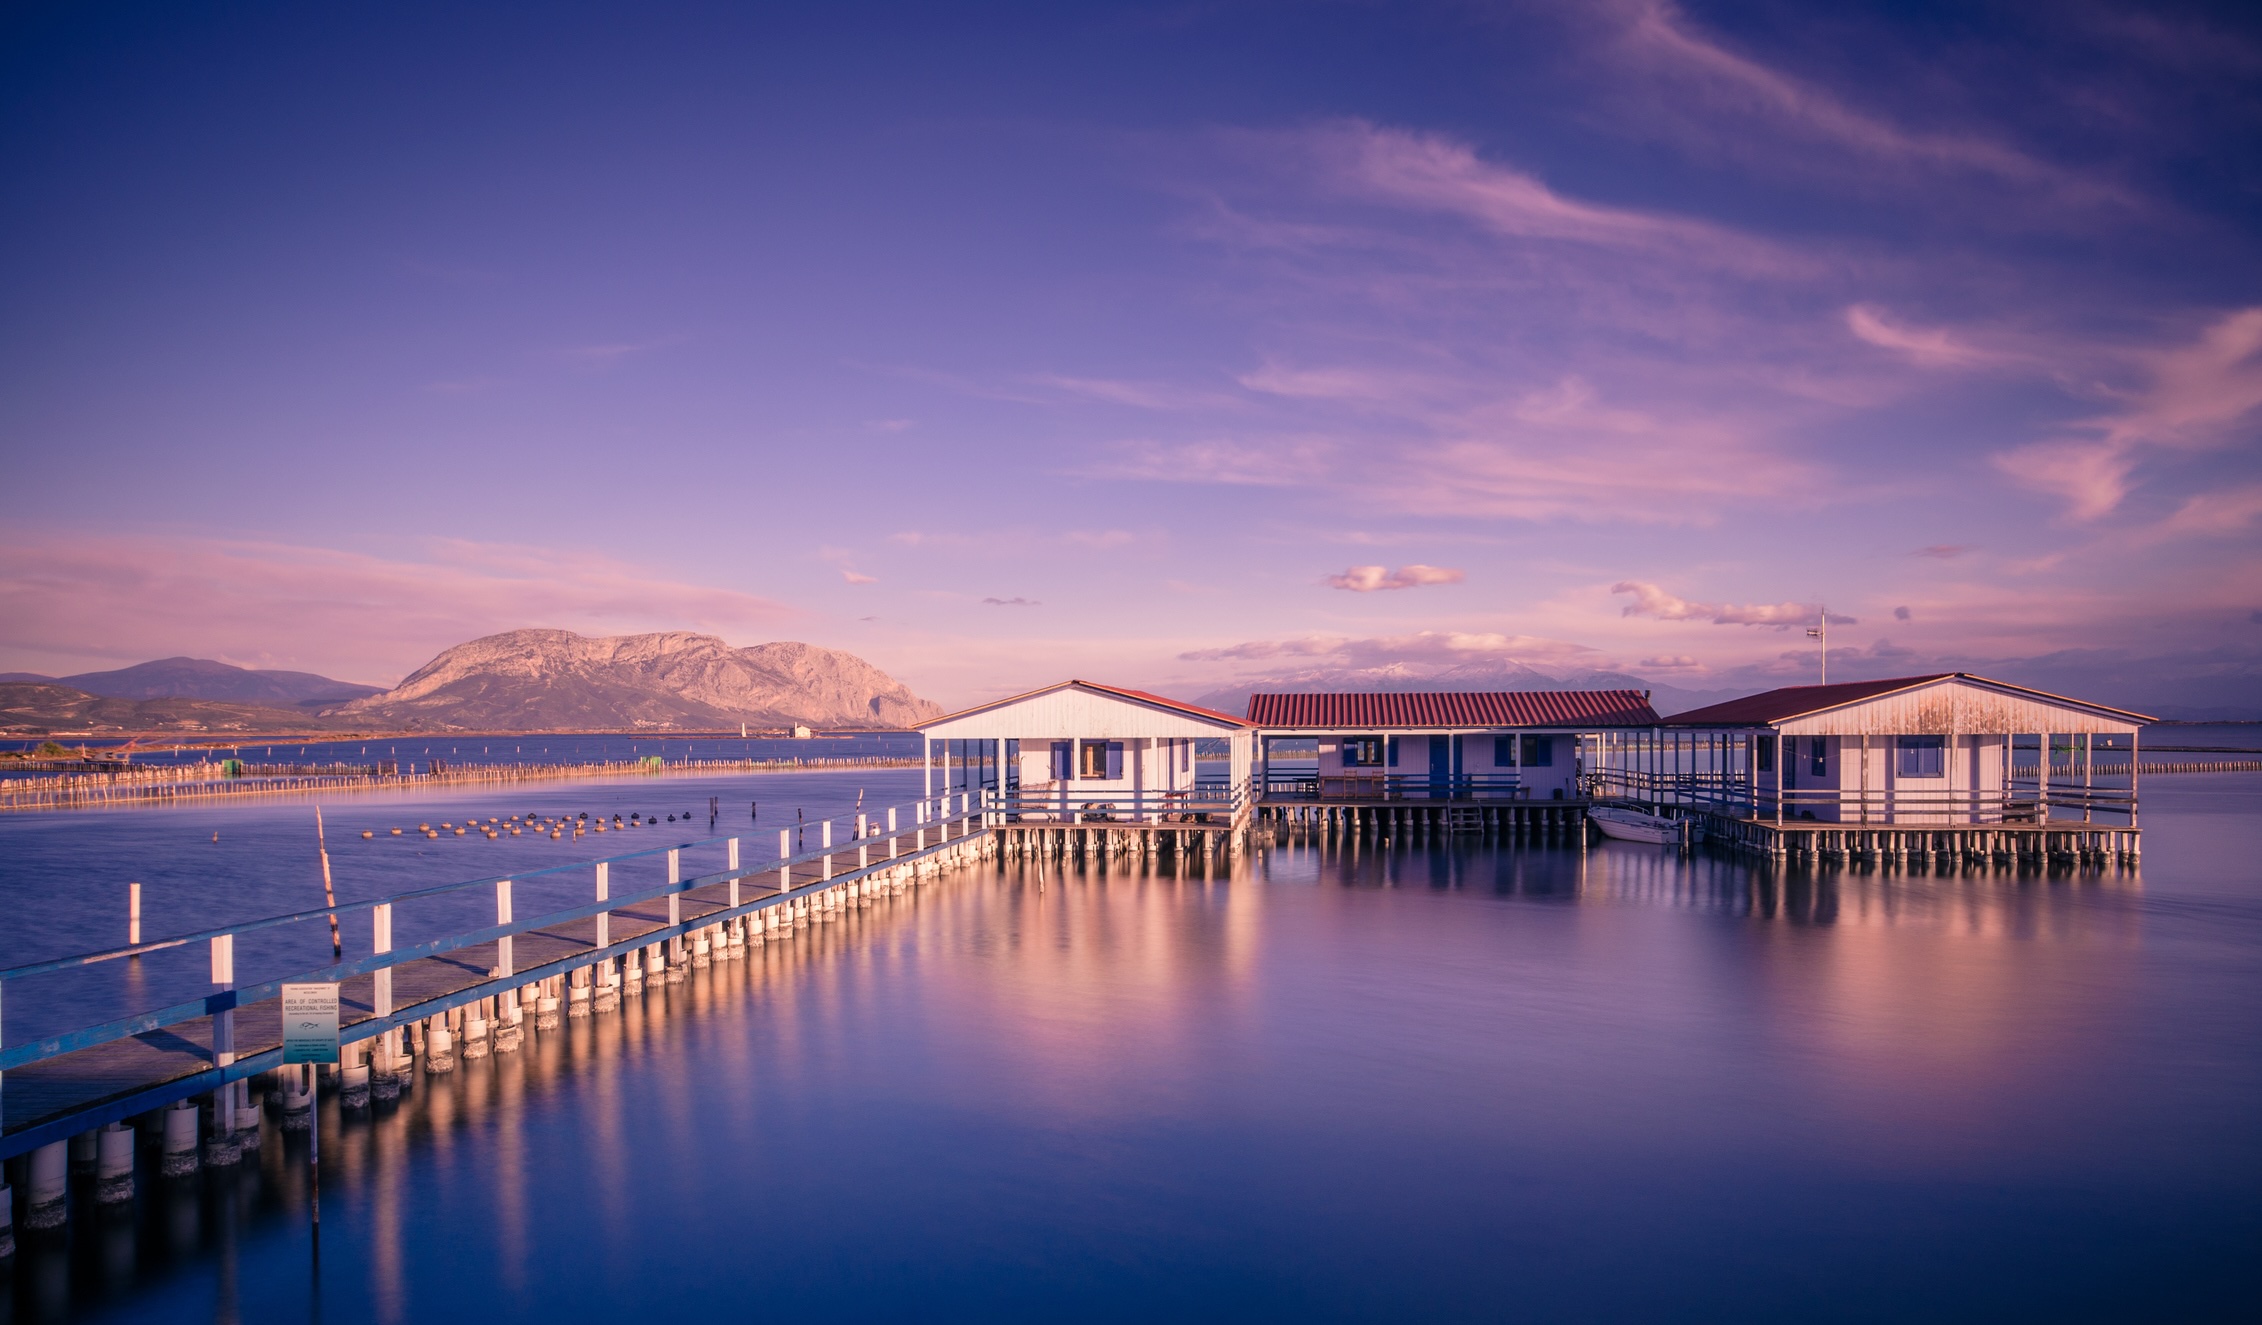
310 1023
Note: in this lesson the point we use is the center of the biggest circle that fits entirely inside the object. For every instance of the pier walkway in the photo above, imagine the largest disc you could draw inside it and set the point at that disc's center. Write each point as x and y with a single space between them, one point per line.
441 994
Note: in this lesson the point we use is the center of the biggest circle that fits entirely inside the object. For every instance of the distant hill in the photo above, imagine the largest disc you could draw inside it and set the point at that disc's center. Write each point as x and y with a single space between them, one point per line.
555 680
202 678
34 709
1505 674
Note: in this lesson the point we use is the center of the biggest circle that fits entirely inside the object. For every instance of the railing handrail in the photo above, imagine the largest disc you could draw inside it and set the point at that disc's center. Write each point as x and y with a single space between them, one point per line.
349 908
44 1047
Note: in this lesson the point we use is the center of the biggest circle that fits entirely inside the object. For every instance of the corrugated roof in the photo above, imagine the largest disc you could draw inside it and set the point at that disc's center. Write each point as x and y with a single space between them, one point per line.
1496 708
1139 696
1797 701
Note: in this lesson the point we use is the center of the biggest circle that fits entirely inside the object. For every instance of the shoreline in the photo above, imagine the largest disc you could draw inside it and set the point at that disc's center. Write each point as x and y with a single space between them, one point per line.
203 782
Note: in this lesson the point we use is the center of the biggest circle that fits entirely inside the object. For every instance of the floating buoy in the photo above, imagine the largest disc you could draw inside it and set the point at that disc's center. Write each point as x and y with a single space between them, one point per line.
459 832
514 832
429 833
396 832
424 828
366 833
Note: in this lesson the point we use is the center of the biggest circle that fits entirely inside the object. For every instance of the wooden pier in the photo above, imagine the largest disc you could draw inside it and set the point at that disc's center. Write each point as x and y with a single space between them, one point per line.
2008 844
1388 817
183 1073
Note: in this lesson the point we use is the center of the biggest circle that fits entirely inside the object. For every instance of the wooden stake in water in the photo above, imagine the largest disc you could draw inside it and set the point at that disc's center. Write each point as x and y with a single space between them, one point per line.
329 893
314 1153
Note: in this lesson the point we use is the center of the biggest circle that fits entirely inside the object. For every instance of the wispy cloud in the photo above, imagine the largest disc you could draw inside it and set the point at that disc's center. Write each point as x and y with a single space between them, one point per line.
1371 579
853 578
1685 85
1930 347
1434 173
1651 601
1428 646
1012 602
2191 397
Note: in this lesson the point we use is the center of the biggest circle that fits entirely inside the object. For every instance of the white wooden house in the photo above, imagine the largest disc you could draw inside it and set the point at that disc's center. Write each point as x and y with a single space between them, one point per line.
1947 748
1497 745
1081 752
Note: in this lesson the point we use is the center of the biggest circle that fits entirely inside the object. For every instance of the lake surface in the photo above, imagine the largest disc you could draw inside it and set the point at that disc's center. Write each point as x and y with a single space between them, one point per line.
1452 1081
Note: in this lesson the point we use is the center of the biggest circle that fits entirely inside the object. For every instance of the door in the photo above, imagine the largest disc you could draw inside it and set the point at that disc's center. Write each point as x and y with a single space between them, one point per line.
1440 766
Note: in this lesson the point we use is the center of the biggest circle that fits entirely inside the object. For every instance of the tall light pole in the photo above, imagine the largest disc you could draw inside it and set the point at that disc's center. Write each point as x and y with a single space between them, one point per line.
1822 632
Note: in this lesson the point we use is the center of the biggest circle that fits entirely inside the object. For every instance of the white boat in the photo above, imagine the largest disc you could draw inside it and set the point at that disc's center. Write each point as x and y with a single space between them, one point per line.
1633 825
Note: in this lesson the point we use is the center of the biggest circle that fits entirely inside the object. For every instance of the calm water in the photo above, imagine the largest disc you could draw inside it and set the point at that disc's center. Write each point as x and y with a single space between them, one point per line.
1426 1083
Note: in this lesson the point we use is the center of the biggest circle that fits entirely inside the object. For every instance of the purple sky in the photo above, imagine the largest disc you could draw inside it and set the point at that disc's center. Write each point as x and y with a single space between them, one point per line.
1166 345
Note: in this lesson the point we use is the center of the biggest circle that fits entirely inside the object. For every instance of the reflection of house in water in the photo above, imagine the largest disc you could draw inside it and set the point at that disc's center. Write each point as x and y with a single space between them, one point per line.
1946 750
1501 745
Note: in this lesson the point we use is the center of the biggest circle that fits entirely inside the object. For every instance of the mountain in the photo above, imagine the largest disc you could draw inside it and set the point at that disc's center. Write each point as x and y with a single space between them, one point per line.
1505 674
32 709
201 678
555 680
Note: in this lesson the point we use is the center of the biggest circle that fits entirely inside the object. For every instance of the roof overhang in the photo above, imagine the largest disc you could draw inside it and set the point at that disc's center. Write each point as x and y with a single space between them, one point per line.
1950 702
984 720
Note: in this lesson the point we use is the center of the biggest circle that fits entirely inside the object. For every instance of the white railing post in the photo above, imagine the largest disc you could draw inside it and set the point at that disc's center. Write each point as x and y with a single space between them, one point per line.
604 918
381 940
675 876
224 1031
503 965
785 851
734 873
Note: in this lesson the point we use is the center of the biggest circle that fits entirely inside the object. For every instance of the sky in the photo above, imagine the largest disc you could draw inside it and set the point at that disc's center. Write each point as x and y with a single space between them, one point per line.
1173 345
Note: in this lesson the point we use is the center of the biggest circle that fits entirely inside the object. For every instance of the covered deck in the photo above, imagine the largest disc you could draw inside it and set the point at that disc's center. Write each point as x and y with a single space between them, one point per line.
1411 749
1916 764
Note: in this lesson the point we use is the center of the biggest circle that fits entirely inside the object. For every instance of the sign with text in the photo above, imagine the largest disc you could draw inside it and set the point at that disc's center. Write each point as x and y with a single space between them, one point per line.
310 1023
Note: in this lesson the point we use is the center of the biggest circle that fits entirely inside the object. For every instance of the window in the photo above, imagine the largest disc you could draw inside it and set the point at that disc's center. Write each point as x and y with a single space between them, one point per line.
1093 759
1362 752
1818 754
1919 757
1763 750
1503 751
1539 751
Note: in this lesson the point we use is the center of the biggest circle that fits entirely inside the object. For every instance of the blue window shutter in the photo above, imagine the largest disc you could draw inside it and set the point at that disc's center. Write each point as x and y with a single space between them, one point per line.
1060 768
1114 760
1502 752
1394 752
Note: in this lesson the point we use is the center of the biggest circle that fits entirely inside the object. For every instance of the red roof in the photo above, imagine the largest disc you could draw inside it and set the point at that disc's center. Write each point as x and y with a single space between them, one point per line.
1796 701
1497 708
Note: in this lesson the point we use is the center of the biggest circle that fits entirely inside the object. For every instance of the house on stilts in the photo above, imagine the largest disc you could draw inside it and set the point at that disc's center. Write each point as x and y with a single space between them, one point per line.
1446 761
1085 770
1947 764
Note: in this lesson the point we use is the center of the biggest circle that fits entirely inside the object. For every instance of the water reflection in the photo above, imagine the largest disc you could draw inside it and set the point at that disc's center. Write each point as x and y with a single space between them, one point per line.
1334 1077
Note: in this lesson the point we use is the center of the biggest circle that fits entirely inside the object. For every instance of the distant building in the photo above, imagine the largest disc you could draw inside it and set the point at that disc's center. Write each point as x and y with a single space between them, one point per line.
802 733
1498 745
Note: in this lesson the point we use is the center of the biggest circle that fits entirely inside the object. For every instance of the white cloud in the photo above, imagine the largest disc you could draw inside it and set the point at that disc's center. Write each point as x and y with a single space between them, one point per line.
1651 601
1370 579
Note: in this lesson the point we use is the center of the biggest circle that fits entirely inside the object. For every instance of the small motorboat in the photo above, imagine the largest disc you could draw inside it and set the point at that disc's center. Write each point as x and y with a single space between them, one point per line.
1633 825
